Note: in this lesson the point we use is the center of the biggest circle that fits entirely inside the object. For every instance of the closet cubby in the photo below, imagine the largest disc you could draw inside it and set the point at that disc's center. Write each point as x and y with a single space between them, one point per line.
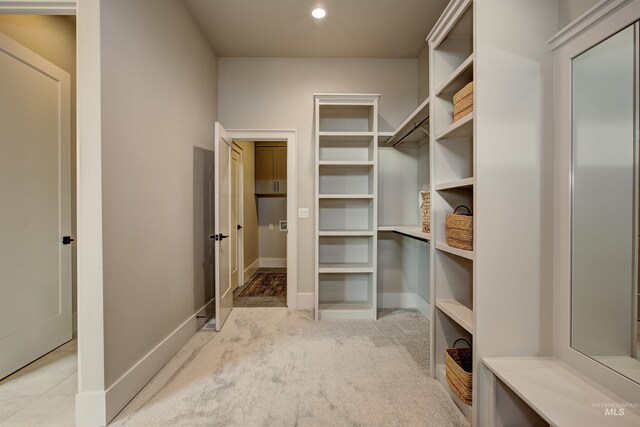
444 202
345 215
346 149
455 160
346 118
346 134
345 179
345 254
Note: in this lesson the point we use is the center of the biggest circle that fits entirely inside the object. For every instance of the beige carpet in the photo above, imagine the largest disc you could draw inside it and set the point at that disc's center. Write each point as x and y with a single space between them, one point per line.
272 367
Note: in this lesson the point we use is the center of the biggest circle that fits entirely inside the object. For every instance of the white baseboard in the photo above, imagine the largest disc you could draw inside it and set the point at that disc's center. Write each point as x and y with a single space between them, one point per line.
120 393
273 262
251 270
306 301
423 307
74 323
397 300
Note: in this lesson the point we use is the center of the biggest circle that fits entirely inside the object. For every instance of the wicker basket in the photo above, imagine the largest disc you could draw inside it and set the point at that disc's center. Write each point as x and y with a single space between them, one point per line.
459 368
459 229
425 209
463 102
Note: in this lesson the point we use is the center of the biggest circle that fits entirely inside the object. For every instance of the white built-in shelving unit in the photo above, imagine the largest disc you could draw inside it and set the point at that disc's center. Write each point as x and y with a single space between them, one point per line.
451 50
346 137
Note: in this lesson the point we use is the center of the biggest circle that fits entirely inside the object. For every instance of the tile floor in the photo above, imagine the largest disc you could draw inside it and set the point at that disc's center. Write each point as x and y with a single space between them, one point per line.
43 392
259 301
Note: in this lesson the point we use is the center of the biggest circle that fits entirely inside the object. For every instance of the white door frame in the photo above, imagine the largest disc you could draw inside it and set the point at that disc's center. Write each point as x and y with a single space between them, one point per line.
240 215
289 135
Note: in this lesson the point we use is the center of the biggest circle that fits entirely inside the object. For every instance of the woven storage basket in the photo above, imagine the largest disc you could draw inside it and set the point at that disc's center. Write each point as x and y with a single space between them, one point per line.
425 209
458 368
459 229
463 102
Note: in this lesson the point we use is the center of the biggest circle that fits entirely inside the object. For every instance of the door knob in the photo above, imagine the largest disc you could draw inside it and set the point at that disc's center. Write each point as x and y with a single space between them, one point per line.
66 240
222 236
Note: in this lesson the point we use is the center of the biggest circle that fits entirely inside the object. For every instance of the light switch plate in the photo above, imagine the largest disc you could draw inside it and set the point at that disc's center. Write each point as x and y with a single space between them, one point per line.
270 226
303 213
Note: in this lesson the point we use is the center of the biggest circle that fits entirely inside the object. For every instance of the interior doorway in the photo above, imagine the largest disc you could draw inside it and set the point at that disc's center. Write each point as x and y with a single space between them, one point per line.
259 179
266 234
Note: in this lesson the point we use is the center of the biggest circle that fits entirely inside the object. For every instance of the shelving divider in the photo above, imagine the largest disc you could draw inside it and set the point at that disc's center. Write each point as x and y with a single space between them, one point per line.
346 137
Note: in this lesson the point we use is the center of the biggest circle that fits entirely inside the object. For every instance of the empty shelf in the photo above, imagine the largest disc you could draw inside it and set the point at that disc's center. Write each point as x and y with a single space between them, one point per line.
557 393
345 233
457 312
407 230
345 196
458 79
409 130
345 268
346 134
354 163
455 251
461 128
461 183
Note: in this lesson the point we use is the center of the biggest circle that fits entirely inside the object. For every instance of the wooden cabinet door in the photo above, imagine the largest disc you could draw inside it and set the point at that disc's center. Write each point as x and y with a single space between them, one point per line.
281 169
265 170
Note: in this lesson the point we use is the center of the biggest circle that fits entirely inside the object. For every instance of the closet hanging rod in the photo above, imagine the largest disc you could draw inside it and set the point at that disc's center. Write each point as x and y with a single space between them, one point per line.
419 125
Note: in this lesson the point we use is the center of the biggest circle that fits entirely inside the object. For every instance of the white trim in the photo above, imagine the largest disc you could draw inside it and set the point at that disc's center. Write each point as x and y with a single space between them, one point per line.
290 135
306 301
74 322
396 300
42 7
273 262
90 403
250 270
592 34
423 307
120 393
585 21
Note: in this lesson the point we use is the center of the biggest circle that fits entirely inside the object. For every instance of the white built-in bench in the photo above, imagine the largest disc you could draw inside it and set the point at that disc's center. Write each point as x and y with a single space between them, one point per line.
554 393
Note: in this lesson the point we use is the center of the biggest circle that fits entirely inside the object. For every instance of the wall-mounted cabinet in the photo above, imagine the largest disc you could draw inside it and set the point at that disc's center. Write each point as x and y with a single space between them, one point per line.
271 170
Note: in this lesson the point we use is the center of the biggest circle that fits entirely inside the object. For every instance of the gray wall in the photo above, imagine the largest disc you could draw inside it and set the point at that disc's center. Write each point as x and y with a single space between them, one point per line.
423 74
277 93
569 10
159 79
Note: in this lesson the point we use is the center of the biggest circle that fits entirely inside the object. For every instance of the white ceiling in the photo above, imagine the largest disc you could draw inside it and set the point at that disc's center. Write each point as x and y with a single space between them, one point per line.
284 28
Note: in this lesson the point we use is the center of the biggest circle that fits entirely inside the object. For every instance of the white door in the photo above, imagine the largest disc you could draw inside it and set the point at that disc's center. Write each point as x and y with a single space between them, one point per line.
224 290
35 209
236 212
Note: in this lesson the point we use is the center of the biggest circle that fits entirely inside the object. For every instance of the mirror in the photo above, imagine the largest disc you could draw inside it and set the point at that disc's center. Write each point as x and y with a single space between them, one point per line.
604 252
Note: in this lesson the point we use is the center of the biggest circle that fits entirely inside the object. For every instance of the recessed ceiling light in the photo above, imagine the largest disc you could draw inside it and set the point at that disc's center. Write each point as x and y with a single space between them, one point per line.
318 13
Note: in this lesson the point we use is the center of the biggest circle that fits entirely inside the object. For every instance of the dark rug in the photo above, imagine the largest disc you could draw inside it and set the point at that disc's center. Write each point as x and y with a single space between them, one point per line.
266 285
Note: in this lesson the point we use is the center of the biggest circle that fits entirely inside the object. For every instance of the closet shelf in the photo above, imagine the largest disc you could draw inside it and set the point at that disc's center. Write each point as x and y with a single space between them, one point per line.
466 410
461 183
363 267
455 251
459 129
345 196
383 136
345 233
457 312
345 163
458 79
414 232
346 134
410 129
